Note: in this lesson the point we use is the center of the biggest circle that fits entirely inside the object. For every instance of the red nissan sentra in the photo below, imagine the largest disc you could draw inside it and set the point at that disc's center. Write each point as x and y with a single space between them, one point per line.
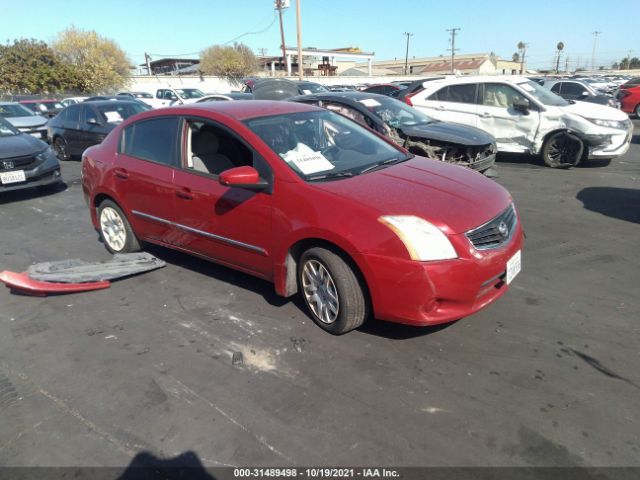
311 201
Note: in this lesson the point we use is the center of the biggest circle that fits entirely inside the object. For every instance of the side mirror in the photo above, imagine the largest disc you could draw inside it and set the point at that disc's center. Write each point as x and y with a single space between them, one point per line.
584 94
522 106
93 121
243 177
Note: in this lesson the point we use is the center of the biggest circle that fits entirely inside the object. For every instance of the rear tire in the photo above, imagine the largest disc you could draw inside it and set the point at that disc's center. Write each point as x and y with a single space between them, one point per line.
562 150
61 148
332 292
115 231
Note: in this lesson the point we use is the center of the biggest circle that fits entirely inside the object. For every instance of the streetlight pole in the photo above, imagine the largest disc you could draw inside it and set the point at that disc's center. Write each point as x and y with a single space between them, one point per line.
453 46
279 7
593 53
406 56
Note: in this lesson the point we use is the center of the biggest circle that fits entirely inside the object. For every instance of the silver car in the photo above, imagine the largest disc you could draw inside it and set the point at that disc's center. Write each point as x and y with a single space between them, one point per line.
24 119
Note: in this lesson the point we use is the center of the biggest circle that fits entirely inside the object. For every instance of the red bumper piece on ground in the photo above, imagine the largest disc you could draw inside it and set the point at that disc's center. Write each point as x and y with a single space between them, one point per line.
22 283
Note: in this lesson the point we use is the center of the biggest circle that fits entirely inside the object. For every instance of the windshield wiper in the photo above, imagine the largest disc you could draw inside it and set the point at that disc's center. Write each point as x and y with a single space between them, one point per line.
381 165
326 176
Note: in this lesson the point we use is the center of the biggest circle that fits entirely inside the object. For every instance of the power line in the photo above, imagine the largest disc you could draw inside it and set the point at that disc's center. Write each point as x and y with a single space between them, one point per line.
453 45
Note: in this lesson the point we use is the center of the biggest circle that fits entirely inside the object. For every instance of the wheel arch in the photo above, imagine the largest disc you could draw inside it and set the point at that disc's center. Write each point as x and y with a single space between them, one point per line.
288 284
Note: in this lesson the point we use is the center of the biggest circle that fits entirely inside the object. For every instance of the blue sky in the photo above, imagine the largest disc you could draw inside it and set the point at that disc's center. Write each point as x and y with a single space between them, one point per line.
170 27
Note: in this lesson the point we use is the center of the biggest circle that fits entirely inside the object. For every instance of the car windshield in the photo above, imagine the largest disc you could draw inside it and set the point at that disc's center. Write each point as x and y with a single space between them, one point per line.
189 92
49 106
323 145
395 113
312 88
544 96
116 113
142 95
14 110
7 130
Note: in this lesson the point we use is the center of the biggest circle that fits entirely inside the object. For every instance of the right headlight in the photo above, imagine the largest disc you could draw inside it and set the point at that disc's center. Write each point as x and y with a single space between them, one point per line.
423 240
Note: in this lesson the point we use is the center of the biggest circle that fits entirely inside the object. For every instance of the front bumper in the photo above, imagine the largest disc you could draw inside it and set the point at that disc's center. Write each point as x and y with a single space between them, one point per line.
429 293
610 145
38 132
46 173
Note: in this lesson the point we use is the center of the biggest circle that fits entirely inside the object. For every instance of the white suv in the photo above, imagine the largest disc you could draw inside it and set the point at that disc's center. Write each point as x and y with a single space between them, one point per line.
526 117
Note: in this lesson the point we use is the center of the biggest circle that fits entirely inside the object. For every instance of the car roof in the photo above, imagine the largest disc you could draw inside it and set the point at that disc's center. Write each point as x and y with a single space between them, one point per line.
351 96
44 100
238 110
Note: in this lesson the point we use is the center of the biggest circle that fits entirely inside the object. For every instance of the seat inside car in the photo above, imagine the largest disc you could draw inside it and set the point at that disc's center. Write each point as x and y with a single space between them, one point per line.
205 153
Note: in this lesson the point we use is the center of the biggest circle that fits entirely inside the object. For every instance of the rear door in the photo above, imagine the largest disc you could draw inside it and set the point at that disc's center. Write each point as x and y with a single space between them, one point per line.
514 131
229 225
452 103
71 124
143 176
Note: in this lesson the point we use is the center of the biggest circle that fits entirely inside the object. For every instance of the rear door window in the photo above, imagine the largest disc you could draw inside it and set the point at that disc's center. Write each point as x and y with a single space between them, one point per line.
72 116
155 140
463 93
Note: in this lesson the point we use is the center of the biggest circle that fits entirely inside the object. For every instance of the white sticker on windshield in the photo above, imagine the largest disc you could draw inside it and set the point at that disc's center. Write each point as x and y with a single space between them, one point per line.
527 87
306 92
113 117
306 160
369 102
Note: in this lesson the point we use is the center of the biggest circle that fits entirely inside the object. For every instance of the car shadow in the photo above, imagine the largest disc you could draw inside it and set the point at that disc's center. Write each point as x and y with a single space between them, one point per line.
520 159
219 272
265 289
146 466
620 203
31 193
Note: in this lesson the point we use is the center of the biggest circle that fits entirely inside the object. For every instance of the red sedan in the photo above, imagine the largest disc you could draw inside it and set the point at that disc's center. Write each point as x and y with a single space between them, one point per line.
629 97
311 201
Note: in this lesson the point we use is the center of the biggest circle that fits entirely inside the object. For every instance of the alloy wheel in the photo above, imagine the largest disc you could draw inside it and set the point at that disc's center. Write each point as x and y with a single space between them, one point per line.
320 291
113 229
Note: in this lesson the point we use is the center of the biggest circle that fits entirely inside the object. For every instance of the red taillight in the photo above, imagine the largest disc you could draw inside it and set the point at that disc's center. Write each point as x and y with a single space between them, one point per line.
407 99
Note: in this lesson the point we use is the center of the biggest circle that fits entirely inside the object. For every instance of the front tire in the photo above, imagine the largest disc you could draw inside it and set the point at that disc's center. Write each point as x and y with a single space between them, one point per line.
115 231
332 291
562 150
637 111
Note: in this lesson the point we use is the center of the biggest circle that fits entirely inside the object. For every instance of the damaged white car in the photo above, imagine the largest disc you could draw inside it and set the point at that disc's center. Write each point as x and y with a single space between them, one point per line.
527 118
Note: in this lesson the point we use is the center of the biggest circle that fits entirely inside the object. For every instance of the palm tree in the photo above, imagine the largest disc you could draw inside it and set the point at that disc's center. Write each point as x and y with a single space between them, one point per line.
559 47
516 57
522 48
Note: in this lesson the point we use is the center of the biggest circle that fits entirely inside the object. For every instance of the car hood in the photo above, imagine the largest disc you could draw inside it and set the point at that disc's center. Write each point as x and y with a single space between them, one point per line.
454 198
449 132
20 145
593 110
30 121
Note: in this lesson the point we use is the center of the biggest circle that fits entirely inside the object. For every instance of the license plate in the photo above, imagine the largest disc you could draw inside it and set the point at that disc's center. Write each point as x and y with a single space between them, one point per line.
12 177
514 265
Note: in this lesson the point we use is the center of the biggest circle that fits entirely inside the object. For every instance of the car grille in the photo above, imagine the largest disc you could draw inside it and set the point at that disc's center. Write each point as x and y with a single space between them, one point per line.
496 232
14 163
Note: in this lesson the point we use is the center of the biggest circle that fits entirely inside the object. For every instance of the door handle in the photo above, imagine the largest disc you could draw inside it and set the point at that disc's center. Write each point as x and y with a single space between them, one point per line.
440 107
485 114
184 193
121 173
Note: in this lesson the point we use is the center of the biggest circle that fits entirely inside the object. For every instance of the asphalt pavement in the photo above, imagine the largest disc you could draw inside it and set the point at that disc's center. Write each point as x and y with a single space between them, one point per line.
546 376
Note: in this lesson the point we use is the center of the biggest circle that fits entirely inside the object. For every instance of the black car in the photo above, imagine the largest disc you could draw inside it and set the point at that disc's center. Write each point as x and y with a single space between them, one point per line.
412 129
577 90
412 88
82 125
25 161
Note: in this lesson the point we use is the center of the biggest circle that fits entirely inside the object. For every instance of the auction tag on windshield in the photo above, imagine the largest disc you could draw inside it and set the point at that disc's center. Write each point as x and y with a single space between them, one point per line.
370 102
113 117
307 161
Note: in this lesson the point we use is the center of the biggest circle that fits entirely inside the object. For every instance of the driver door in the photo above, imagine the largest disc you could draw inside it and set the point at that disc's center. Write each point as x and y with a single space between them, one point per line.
229 225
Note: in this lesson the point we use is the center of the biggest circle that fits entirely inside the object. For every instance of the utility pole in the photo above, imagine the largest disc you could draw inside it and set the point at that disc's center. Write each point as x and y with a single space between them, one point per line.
453 45
566 64
279 6
593 53
406 56
524 55
299 29
147 59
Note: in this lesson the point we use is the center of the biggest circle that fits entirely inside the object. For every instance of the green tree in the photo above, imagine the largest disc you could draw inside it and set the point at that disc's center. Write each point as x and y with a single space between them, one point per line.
515 57
30 66
231 62
100 64
634 63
